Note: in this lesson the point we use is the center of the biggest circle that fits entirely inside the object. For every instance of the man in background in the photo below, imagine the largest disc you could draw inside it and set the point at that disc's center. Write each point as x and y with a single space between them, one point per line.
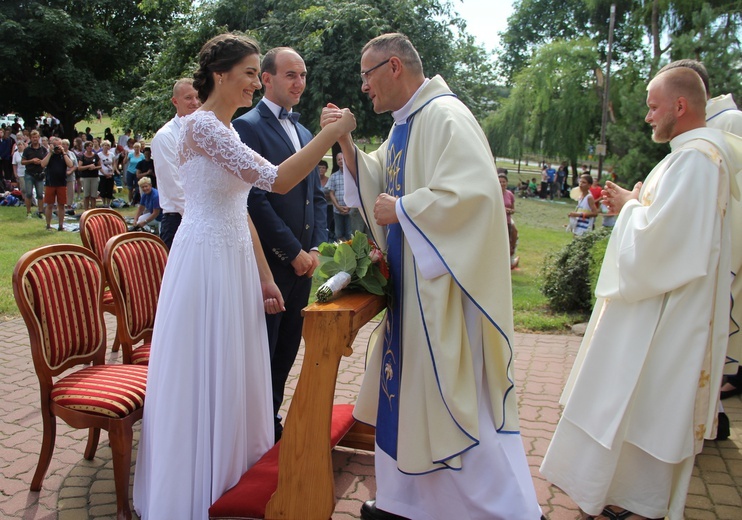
165 156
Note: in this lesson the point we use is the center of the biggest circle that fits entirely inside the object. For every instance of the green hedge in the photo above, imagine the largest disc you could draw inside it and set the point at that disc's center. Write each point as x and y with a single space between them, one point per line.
568 276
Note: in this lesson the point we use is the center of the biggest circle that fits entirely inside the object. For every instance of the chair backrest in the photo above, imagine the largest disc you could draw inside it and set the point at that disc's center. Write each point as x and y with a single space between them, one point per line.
59 291
98 225
134 264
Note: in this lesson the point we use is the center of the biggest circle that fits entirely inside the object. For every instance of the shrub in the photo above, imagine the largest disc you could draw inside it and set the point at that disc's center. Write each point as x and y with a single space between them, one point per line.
569 275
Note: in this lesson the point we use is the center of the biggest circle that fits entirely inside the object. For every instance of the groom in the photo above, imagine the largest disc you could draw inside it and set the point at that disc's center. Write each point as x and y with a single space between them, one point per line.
290 226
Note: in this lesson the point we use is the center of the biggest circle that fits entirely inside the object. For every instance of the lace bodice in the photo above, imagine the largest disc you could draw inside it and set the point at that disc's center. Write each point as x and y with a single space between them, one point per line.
217 171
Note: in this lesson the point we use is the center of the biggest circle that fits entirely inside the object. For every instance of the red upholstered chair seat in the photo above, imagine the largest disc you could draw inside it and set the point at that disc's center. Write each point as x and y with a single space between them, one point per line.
108 390
140 355
248 499
107 298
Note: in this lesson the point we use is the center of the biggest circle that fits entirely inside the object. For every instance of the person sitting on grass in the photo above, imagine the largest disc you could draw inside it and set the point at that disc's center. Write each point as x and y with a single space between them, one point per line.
148 211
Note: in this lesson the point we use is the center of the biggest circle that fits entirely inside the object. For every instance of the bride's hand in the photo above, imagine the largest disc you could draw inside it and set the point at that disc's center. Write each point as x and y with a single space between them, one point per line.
341 121
272 298
330 114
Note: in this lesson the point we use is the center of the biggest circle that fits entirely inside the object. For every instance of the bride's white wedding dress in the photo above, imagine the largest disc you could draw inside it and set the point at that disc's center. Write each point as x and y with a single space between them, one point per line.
208 414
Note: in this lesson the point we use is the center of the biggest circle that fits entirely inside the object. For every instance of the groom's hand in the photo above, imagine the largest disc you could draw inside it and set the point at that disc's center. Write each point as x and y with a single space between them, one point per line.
304 264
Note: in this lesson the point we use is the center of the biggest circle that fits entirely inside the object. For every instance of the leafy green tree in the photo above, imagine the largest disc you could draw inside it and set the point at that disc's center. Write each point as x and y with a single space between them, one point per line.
70 58
329 34
554 106
714 40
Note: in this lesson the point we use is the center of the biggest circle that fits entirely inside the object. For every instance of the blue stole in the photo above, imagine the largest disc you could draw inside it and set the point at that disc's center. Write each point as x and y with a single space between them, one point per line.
387 419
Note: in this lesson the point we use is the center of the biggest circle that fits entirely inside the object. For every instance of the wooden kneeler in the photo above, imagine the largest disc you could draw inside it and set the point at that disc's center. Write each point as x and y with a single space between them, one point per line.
303 478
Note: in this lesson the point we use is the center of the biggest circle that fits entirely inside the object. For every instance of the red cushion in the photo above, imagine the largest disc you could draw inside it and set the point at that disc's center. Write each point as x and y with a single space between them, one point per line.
107 298
250 496
140 356
108 390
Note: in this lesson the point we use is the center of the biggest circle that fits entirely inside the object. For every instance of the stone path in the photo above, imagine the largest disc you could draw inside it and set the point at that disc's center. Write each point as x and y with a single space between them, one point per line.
76 489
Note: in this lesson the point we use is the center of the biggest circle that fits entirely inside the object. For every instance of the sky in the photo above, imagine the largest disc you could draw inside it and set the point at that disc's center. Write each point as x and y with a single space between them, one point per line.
485 18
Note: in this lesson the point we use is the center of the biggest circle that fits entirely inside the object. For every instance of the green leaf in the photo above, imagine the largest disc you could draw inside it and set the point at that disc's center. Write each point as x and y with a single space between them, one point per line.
360 245
371 284
379 277
319 274
329 268
327 249
362 267
345 258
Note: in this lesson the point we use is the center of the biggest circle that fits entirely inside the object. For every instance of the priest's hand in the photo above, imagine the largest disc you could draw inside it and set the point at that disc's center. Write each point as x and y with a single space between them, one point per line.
330 114
385 210
615 197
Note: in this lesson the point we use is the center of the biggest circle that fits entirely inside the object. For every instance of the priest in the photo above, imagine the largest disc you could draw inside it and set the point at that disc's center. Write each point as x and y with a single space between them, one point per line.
438 385
643 392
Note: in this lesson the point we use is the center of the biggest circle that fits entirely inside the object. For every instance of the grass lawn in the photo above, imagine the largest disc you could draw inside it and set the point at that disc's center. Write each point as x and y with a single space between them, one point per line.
541 229
20 235
97 129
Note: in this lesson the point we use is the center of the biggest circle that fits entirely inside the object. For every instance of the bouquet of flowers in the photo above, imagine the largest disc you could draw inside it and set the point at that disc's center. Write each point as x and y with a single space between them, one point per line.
357 264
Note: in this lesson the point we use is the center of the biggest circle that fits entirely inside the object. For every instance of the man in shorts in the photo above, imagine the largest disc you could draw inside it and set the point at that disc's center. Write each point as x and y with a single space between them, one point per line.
57 163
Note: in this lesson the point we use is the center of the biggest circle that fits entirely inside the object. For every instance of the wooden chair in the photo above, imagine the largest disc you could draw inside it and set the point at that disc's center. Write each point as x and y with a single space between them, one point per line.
96 227
59 290
134 264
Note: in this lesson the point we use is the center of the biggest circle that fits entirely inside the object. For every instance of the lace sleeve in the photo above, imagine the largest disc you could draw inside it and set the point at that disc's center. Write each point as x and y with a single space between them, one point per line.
203 134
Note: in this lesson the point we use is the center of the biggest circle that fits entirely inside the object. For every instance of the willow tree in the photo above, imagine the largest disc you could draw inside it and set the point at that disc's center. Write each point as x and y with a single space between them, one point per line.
554 106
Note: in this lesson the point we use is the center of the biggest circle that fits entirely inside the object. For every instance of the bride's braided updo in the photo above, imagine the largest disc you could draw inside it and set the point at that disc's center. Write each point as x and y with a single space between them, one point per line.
220 54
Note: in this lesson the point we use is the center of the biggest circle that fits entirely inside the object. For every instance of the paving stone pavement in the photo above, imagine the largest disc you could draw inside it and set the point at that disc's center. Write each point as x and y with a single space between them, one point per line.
76 489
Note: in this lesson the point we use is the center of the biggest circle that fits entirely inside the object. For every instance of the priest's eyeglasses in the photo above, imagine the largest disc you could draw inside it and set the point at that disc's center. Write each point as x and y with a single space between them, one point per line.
365 73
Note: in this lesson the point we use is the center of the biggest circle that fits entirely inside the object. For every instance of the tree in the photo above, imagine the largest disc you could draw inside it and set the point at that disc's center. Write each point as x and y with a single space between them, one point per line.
70 58
329 34
714 40
554 106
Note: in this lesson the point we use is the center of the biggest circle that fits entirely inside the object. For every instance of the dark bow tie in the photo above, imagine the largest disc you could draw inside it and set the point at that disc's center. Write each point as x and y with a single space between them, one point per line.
293 116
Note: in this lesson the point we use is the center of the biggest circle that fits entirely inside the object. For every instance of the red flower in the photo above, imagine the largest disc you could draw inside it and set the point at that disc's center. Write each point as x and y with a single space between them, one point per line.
384 268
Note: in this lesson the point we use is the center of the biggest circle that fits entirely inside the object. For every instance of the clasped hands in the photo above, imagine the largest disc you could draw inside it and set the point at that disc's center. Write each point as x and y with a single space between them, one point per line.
384 207
342 117
615 197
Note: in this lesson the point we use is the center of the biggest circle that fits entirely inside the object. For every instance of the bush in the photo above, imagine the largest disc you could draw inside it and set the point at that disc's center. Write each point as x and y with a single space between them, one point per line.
569 275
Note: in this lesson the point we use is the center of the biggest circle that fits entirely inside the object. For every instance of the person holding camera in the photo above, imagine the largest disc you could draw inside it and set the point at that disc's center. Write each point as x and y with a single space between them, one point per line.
57 164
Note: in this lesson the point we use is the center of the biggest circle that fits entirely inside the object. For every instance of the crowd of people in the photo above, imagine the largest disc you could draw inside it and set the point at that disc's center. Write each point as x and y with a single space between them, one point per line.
244 204
94 168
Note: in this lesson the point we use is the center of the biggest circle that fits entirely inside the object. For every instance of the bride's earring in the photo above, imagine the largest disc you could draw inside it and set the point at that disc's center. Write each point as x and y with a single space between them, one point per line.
220 80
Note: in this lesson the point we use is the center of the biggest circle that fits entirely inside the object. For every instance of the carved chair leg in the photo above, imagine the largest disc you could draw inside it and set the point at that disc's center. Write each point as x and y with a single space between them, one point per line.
47 448
120 437
92 446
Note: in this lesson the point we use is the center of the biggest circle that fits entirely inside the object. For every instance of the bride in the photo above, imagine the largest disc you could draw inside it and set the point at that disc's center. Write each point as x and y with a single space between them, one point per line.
208 414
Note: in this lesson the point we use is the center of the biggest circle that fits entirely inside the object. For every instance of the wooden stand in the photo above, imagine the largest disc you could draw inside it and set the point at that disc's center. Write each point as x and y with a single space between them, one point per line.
306 486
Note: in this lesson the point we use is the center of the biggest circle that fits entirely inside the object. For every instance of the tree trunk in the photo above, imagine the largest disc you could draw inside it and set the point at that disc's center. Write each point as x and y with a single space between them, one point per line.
656 49
67 120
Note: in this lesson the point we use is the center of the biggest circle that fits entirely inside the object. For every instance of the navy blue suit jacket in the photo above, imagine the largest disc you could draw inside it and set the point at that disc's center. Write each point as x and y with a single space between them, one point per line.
286 223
